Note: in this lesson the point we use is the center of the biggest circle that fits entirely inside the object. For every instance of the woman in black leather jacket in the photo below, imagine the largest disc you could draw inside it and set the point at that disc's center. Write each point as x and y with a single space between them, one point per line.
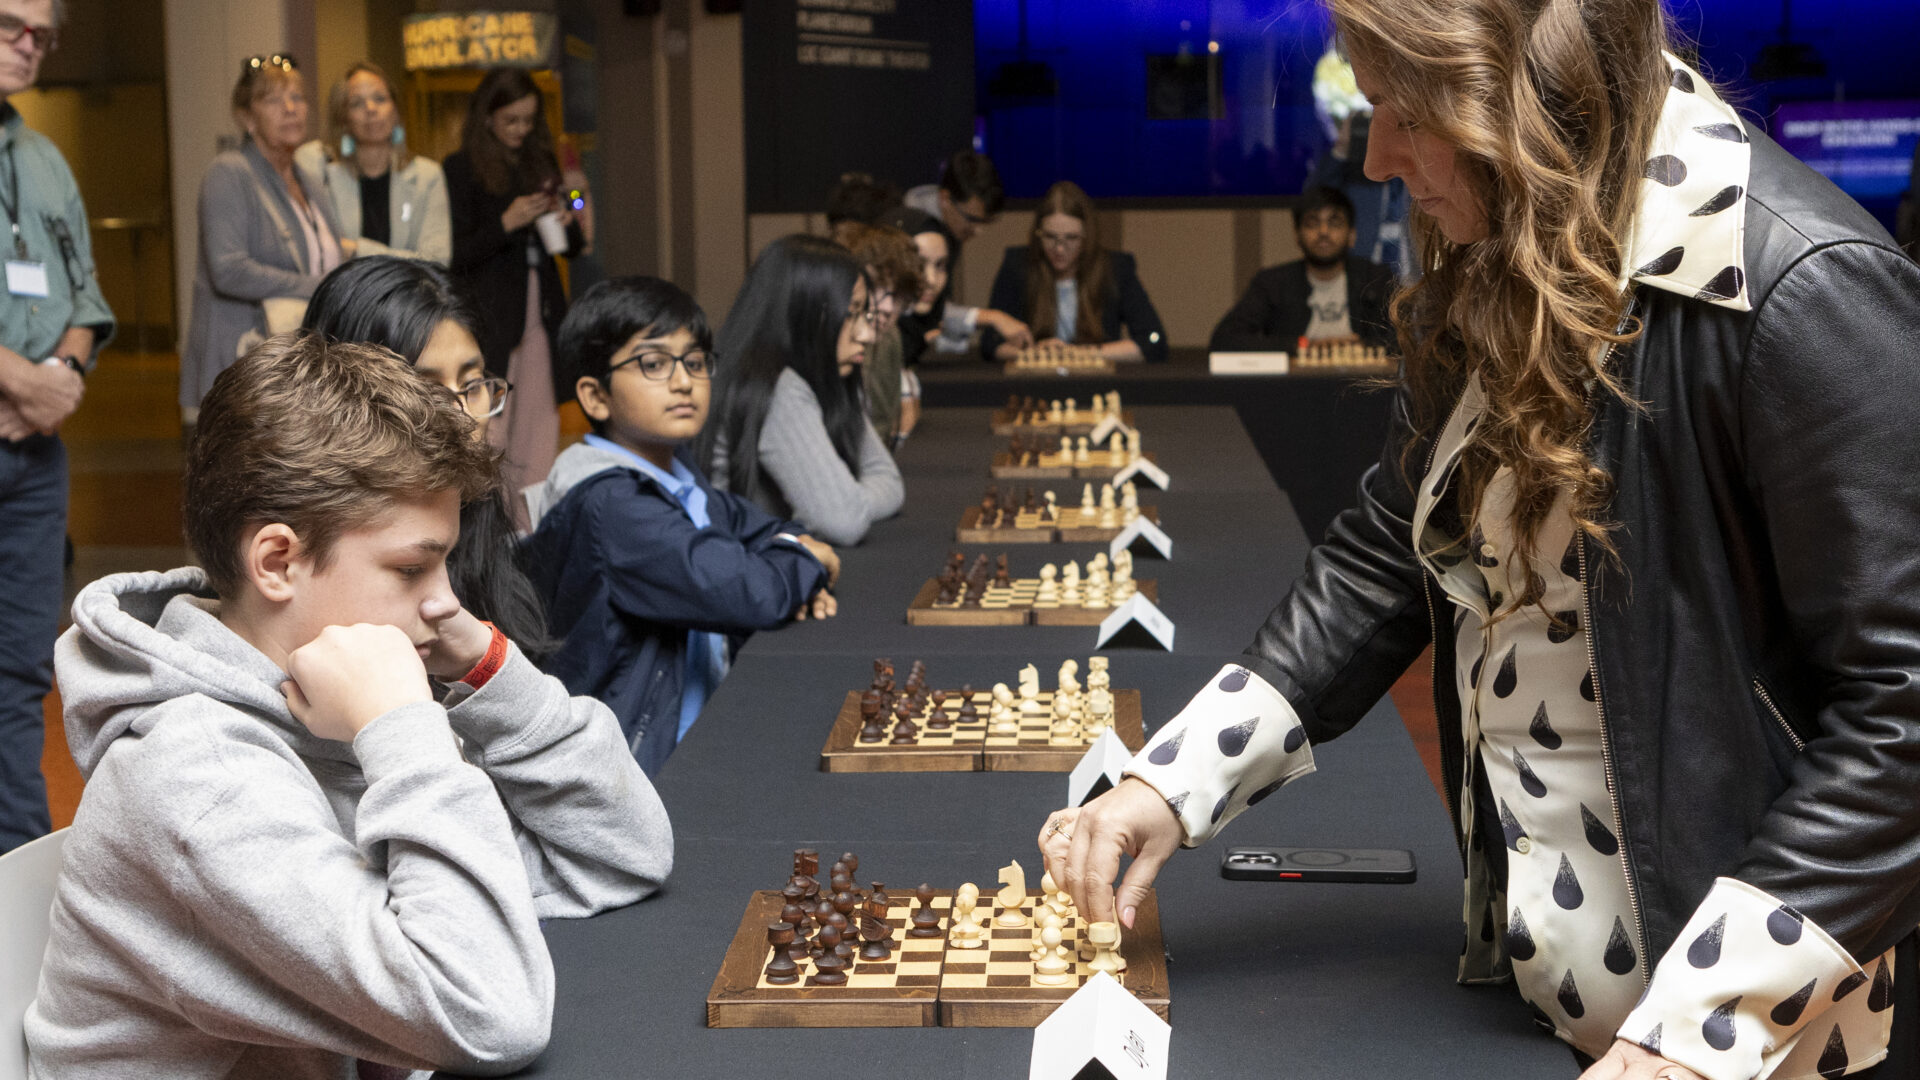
1649 496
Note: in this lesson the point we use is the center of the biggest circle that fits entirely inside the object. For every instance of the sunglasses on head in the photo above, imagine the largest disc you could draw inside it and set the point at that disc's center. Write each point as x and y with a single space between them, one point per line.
251 66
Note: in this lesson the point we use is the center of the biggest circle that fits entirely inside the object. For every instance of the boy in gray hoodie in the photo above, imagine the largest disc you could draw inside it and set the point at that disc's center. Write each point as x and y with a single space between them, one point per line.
292 860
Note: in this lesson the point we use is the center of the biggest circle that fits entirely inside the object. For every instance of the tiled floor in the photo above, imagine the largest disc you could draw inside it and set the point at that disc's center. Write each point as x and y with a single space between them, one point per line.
125 454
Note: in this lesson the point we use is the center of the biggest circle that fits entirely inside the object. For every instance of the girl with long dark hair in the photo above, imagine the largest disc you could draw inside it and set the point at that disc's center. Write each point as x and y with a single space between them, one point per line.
789 430
501 183
1070 287
410 308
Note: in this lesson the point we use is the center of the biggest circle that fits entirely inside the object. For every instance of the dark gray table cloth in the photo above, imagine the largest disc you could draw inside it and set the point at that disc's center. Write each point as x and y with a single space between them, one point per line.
1267 979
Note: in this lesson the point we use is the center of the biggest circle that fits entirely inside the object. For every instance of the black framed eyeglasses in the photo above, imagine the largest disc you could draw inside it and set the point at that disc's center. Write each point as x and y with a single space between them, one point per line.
483 398
656 365
13 28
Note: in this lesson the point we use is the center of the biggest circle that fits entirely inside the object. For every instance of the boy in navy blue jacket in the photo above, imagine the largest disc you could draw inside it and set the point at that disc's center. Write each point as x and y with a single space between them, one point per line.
645 569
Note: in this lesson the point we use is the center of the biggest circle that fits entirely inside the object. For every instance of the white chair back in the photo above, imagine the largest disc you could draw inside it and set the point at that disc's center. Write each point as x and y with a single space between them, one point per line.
27 877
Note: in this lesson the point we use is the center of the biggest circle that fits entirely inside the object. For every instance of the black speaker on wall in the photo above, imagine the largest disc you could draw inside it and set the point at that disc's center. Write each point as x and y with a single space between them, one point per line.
639 8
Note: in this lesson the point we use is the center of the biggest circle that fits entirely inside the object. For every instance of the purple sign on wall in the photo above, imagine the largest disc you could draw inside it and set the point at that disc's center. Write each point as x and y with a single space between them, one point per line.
1864 147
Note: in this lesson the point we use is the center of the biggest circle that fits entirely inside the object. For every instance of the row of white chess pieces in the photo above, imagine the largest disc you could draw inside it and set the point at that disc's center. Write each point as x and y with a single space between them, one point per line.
1108 515
1101 407
1053 951
1060 354
1103 588
1094 707
1122 450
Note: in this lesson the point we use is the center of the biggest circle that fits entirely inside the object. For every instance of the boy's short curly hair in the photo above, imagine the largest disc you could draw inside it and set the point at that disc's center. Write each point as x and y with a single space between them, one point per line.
323 438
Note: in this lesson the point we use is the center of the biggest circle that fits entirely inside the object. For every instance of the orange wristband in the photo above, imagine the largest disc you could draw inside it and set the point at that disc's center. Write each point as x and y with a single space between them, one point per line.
490 664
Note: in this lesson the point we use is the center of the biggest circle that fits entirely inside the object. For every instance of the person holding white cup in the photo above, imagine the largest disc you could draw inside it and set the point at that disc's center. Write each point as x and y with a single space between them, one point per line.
513 213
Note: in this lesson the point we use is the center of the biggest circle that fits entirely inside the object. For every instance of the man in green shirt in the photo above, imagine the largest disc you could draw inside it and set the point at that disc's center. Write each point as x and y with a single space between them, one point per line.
53 321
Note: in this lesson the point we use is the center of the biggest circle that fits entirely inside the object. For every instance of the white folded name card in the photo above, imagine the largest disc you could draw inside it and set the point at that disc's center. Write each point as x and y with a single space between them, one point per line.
1247 363
1101 1031
1143 613
1101 768
1142 529
1104 430
1145 470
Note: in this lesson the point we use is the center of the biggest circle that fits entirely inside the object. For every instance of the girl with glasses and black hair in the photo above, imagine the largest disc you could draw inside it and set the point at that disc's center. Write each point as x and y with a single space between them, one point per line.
789 430
410 307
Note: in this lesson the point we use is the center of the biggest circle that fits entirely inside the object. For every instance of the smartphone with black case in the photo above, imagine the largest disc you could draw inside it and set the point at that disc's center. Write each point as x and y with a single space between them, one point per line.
1357 865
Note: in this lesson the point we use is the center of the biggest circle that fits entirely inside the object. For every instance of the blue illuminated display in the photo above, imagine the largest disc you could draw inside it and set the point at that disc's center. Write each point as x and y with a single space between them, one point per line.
1143 98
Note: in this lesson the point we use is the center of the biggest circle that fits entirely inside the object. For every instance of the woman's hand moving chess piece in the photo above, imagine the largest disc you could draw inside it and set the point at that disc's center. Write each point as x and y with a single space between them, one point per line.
1082 848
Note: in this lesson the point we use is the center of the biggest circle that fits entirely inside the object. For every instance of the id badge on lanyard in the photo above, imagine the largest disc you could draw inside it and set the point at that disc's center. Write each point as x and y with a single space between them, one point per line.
25 277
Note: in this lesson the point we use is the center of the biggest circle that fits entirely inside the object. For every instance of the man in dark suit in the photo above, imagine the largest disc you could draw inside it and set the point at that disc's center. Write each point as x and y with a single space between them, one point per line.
1328 295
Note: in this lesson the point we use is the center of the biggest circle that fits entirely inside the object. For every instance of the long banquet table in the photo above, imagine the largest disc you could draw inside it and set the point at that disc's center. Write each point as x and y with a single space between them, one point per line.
1267 979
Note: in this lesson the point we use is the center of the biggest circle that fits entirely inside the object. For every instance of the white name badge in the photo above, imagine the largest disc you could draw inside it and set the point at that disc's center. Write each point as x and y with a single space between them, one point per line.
1142 612
1145 470
1142 529
1102 1030
1100 770
27 278
1104 430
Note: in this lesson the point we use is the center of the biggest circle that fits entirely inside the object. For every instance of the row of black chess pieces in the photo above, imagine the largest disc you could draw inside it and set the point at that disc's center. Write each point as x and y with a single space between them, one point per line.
973 584
907 702
995 514
821 925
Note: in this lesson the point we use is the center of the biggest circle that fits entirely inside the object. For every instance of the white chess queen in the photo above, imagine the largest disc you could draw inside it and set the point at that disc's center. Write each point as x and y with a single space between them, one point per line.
1641 501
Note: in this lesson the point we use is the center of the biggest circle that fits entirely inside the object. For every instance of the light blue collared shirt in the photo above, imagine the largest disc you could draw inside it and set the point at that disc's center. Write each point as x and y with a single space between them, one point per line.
706 650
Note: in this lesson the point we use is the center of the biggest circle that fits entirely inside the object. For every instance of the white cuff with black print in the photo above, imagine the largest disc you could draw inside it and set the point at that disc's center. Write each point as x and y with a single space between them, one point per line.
1751 989
1234 744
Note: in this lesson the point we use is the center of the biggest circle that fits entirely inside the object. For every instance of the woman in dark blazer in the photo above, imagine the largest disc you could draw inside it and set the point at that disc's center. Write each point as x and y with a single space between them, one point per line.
1069 288
500 183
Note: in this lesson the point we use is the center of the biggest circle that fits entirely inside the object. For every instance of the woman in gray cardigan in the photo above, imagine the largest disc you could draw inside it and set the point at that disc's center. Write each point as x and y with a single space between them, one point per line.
266 237
386 199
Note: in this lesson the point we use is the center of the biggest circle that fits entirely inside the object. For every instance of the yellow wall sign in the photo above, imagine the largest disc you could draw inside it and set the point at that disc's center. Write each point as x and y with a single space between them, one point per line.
479 39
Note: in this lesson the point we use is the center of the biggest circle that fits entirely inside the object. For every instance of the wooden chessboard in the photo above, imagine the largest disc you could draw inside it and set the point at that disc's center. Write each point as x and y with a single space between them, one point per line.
1056 358
971 747
1058 466
1014 604
1023 422
1073 526
927 982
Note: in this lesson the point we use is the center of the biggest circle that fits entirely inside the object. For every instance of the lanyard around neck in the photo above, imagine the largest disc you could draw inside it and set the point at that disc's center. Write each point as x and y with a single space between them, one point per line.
12 204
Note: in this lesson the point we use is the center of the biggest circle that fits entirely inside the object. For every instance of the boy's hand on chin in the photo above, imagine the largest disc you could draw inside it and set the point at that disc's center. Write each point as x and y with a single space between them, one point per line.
350 676
462 643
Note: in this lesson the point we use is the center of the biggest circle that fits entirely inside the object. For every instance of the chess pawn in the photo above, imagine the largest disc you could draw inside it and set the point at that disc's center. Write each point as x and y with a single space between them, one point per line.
1054 413
1001 702
938 720
1113 402
1133 447
926 921
1086 498
1073 412
1081 455
1104 937
830 969
782 970
1044 919
966 932
1052 968
1066 449
1117 450
1070 592
1109 516
1123 567
1049 591
1069 671
1099 713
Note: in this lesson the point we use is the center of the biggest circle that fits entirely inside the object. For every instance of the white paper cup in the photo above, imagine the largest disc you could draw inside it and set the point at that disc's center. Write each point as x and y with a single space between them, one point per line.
553 235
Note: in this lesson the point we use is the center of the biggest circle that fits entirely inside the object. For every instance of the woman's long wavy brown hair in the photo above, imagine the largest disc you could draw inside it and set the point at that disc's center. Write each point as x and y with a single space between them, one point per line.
1092 270
1552 105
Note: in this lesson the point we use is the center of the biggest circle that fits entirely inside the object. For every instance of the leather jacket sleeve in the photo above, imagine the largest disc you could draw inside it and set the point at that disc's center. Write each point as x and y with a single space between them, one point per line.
1357 616
1827 409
